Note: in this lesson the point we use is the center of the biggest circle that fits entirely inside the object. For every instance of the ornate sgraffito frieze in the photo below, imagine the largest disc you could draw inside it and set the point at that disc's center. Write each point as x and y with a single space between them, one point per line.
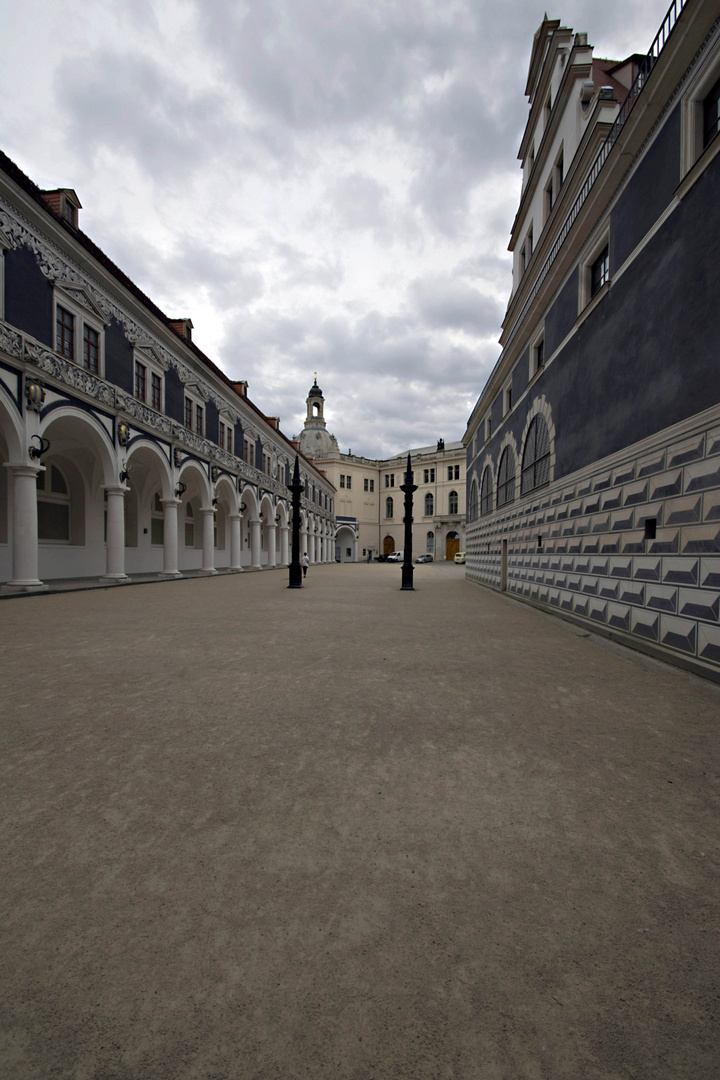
139 411
58 267
10 341
70 373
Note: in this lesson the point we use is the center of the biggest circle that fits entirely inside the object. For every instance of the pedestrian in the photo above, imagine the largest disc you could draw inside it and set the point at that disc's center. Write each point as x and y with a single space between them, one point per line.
305 562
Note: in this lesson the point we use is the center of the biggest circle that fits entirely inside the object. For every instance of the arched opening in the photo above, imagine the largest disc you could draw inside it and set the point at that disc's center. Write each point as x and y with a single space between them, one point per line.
486 492
536 456
473 502
430 542
452 545
388 545
345 542
506 477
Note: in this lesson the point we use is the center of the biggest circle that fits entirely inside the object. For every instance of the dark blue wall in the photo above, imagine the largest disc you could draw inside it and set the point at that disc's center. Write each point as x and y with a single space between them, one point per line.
562 314
174 396
28 296
648 193
258 454
212 429
118 357
647 356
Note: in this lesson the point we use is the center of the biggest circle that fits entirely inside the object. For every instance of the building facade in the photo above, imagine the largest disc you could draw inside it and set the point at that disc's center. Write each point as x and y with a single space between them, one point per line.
594 449
123 448
369 502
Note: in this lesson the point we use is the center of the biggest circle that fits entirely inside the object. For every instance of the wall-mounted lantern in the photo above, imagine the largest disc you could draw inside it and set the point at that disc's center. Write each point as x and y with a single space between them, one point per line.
43 446
180 490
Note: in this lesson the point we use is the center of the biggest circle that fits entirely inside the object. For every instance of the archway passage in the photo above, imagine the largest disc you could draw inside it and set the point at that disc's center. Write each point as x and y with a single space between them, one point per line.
452 545
388 545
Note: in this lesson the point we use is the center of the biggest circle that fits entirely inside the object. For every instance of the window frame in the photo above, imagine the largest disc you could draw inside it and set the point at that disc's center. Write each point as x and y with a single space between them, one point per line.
693 145
147 356
84 315
507 484
389 506
198 409
486 500
531 468
429 502
587 262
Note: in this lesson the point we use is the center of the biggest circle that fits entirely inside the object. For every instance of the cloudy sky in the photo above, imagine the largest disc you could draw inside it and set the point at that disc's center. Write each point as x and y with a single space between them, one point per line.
321 185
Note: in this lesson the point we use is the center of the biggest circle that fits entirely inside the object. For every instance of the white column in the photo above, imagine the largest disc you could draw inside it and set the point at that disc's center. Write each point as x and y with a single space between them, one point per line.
355 548
235 542
208 537
255 544
25 527
170 539
303 541
284 558
272 544
115 543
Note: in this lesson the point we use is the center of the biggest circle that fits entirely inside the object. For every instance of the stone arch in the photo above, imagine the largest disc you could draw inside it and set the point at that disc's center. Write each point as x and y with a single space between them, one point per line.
539 407
195 478
508 444
69 428
345 540
11 428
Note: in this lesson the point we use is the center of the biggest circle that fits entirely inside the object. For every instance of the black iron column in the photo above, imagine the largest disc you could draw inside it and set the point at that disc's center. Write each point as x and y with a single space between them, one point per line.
407 568
295 568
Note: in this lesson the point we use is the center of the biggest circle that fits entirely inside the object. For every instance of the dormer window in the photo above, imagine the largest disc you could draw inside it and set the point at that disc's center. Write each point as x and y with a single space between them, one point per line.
65 203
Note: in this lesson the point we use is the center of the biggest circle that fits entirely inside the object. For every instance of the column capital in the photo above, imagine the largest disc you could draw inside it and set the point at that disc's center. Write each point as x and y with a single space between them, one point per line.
171 502
115 489
21 468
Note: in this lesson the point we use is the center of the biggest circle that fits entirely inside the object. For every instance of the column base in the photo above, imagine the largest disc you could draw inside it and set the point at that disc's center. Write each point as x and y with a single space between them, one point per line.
236 569
257 566
24 586
170 574
114 579
207 573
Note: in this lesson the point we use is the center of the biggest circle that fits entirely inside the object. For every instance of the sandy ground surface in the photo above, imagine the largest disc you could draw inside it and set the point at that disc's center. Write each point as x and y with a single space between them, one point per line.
349 832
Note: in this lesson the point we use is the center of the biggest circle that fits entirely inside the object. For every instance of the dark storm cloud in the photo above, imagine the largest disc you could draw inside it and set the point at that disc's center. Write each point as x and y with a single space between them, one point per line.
125 103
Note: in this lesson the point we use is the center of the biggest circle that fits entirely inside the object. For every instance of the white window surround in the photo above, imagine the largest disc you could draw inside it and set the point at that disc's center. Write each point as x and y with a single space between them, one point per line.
76 301
691 140
507 397
535 342
154 364
589 256
192 391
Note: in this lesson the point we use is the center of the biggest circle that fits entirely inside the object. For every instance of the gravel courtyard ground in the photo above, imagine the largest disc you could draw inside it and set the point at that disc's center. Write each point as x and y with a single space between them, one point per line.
349 832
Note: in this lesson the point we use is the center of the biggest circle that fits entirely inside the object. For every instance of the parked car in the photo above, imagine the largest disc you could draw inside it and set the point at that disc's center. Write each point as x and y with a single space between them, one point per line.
396 556
424 558
460 556
381 558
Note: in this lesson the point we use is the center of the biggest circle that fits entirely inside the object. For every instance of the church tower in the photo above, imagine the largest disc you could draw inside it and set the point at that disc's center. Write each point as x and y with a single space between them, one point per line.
315 441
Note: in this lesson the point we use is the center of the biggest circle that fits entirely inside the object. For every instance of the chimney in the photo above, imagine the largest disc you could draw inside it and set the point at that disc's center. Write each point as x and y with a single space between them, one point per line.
240 387
183 328
273 421
65 203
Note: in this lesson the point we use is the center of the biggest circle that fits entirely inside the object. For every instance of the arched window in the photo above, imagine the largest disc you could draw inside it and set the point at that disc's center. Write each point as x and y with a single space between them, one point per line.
453 502
429 505
486 493
473 502
506 477
189 526
430 543
157 520
53 505
536 456
389 507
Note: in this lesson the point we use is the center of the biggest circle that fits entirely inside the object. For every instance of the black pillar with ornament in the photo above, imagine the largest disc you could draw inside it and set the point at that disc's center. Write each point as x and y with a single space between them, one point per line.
407 568
295 568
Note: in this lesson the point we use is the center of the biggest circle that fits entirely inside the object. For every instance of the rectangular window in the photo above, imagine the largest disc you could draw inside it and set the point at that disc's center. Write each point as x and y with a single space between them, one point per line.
559 172
188 413
372 485
366 484
387 479
342 480
156 389
65 340
711 115
198 419
540 354
392 479
432 476
600 271
140 380
450 475
508 402
349 482
91 349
